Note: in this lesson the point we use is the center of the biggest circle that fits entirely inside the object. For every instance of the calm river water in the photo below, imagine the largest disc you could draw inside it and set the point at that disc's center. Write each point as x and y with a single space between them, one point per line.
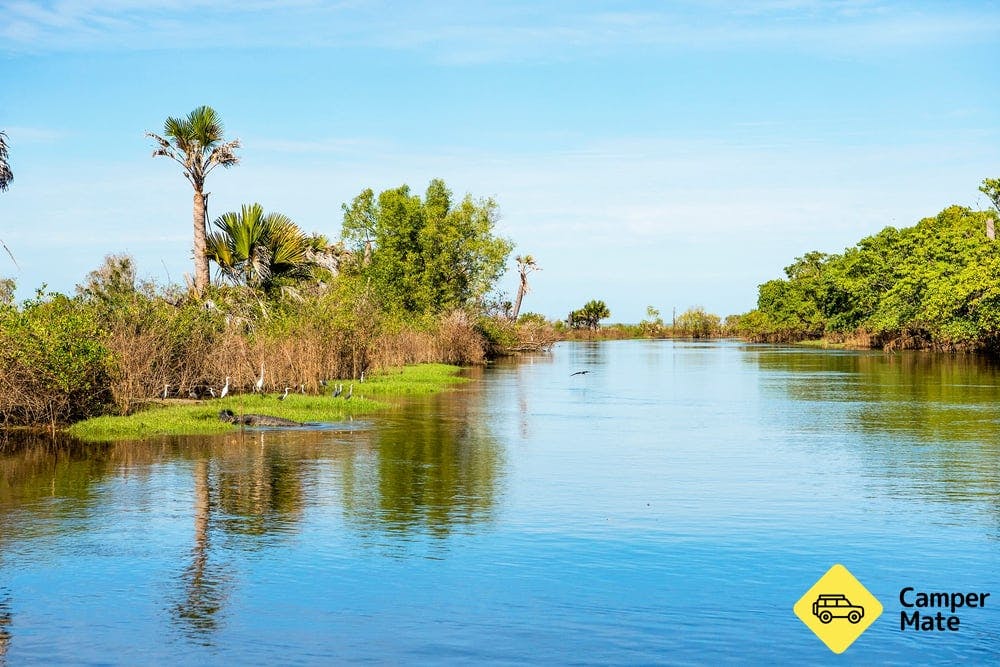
669 506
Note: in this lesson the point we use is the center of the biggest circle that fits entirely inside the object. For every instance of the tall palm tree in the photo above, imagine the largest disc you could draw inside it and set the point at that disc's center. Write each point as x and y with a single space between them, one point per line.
525 265
197 144
257 249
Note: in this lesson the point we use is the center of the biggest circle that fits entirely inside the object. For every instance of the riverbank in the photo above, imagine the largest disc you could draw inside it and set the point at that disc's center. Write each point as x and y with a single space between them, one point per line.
182 417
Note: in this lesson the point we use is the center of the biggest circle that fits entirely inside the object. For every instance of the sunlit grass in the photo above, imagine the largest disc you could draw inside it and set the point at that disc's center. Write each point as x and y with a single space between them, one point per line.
202 418
823 343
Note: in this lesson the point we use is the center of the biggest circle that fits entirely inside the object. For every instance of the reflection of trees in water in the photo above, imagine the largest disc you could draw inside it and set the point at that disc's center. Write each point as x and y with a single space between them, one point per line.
34 467
6 619
426 467
930 420
431 467
587 352
523 367
246 486
930 397
261 492
204 590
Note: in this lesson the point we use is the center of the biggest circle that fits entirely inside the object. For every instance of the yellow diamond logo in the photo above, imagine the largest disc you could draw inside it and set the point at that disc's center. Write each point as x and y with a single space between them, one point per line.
838 608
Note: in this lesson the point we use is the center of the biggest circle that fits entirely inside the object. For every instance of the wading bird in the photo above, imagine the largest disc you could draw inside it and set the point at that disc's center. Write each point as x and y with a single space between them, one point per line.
302 388
339 390
166 388
259 386
225 388
350 392
284 396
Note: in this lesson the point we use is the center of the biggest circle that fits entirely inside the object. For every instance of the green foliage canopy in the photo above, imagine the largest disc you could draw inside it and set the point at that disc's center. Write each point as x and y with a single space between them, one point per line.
425 255
936 284
260 250
590 315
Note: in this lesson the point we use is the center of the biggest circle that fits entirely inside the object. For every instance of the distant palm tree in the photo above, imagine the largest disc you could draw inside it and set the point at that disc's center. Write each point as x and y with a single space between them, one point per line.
6 175
525 265
257 249
197 144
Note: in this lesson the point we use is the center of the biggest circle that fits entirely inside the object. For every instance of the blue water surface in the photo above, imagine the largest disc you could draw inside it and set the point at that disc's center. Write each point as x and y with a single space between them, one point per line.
669 506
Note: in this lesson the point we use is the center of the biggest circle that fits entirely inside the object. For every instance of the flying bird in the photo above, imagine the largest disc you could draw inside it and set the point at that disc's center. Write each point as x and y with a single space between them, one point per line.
579 373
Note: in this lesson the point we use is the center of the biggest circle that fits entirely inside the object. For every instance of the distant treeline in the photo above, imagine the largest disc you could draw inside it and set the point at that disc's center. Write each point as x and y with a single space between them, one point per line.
584 324
935 285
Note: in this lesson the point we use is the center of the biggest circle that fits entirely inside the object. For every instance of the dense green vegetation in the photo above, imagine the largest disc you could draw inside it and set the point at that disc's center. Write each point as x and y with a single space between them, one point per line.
424 256
589 316
411 281
934 285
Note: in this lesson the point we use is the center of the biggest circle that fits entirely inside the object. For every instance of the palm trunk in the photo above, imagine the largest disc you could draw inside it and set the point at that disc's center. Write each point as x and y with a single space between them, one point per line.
517 302
201 275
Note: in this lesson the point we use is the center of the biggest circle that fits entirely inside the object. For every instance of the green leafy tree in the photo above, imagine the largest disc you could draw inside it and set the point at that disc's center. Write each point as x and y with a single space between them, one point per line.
197 144
590 315
935 284
696 323
425 255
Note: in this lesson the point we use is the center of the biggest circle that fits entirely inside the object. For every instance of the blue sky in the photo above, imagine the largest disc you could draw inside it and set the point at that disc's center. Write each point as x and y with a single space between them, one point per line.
646 153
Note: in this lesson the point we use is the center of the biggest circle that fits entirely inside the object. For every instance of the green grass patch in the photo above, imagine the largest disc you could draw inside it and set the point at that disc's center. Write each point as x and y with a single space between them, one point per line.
202 418
822 343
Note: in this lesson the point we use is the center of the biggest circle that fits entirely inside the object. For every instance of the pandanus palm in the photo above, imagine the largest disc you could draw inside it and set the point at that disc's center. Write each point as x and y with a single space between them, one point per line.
197 144
257 249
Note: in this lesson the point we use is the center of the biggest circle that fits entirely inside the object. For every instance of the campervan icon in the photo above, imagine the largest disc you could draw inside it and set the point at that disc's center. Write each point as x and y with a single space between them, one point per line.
828 607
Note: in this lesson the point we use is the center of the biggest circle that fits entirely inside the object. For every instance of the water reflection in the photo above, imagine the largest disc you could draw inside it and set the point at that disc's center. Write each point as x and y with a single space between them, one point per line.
263 491
429 468
926 396
203 583
928 422
6 618
422 469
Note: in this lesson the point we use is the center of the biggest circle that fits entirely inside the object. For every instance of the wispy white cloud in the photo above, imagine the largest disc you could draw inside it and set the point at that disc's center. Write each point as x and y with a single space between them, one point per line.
33 135
475 32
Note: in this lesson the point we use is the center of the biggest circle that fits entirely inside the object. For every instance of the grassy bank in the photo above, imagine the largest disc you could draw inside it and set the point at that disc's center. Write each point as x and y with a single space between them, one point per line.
176 417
